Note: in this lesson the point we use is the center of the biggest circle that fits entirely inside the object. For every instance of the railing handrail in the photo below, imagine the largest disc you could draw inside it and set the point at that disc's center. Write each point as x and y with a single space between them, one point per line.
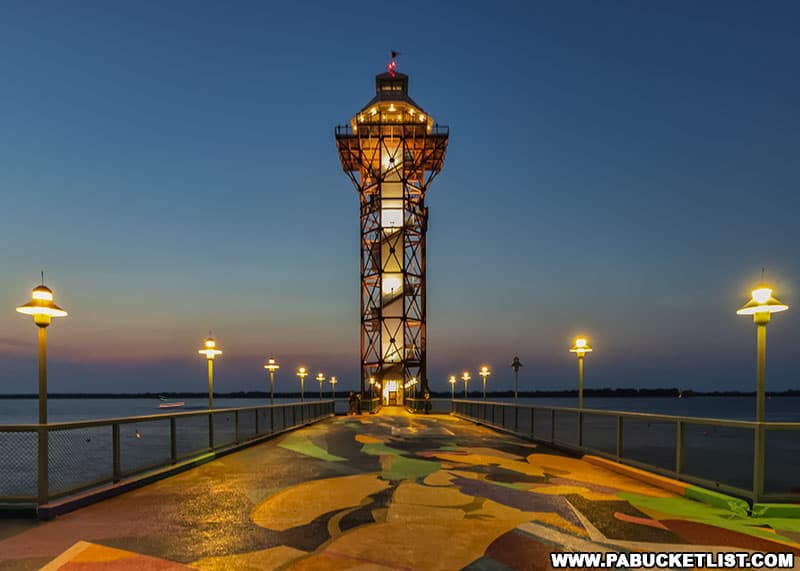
145 418
769 425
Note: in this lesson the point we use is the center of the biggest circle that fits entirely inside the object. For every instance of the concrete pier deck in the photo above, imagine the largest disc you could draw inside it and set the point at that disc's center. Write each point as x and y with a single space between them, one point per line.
389 491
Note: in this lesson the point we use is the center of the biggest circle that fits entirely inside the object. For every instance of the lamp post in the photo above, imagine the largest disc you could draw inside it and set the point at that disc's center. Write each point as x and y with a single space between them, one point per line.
320 380
333 382
452 382
302 373
271 366
42 308
371 388
516 366
465 377
210 350
580 347
761 306
484 372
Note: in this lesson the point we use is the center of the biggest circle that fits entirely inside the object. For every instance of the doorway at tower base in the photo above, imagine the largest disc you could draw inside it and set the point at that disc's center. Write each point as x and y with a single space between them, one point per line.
392 393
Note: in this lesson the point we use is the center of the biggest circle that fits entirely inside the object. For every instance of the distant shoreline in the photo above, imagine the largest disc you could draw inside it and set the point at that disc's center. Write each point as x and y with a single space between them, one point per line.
588 393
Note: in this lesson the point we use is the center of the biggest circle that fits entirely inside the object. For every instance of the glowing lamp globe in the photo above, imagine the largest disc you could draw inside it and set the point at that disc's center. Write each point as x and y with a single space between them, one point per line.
210 349
272 366
41 306
762 305
581 347
452 380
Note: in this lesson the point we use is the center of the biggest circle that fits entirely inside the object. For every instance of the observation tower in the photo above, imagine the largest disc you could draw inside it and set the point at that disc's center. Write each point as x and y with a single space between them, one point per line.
392 150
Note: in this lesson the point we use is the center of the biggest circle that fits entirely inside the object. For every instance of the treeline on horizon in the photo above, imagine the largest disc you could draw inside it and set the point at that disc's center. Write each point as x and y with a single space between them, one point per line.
310 396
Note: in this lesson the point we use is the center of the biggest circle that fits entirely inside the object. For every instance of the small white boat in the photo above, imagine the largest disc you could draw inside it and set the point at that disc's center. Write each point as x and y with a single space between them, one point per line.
165 404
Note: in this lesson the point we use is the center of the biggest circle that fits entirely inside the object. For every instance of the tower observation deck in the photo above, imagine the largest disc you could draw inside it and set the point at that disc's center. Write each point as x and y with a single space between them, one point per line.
392 150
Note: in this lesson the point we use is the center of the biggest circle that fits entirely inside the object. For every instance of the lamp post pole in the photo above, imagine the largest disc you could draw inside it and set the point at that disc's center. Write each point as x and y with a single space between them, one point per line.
580 347
484 372
320 379
272 366
42 308
516 365
302 373
210 383
210 350
42 374
761 306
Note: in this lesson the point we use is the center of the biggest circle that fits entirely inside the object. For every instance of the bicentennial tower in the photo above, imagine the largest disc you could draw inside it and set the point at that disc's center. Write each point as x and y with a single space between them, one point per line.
392 150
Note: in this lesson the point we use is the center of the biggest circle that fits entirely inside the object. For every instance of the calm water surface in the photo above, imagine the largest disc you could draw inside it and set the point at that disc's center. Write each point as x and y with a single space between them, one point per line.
779 409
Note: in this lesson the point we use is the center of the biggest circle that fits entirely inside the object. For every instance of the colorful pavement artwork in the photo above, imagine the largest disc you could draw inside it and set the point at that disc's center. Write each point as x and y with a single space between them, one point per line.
389 491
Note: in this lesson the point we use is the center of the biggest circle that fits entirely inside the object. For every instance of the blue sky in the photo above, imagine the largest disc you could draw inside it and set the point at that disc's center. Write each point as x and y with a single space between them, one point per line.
618 169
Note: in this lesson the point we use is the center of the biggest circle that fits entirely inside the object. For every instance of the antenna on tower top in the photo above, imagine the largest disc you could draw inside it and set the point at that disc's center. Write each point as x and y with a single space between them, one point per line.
392 65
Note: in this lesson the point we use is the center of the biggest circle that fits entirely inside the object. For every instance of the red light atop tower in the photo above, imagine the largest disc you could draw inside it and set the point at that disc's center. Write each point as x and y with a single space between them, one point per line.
391 67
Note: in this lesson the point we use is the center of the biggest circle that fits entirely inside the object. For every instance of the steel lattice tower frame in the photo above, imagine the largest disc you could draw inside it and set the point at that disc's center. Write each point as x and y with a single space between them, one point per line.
392 151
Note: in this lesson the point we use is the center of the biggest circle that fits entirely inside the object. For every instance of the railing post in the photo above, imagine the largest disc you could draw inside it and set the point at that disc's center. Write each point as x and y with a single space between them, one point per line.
619 437
580 428
758 462
173 440
679 433
532 412
256 412
552 425
43 484
115 451
236 425
211 430
516 418
284 416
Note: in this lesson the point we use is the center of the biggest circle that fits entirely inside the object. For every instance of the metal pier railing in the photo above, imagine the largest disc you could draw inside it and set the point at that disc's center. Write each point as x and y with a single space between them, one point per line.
43 462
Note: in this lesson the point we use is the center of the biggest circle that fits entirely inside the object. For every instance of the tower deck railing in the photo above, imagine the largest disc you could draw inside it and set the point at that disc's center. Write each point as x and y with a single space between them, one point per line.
717 454
40 463
436 130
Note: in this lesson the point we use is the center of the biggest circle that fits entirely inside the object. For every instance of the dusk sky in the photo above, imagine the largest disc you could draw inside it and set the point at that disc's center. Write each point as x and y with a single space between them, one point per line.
617 169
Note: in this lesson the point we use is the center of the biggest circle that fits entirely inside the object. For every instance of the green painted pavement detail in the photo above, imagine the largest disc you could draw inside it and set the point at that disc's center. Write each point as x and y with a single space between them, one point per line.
691 510
301 444
736 505
398 466
776 510
401 468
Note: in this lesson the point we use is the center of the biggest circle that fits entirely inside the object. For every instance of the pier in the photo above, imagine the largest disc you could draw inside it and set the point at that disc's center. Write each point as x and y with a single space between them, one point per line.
392 490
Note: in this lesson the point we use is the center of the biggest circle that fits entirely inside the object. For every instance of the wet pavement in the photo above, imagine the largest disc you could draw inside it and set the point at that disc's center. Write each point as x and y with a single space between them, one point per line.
389 491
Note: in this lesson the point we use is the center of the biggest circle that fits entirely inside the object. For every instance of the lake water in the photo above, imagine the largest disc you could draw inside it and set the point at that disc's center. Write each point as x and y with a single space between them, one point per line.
26 411
779 409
